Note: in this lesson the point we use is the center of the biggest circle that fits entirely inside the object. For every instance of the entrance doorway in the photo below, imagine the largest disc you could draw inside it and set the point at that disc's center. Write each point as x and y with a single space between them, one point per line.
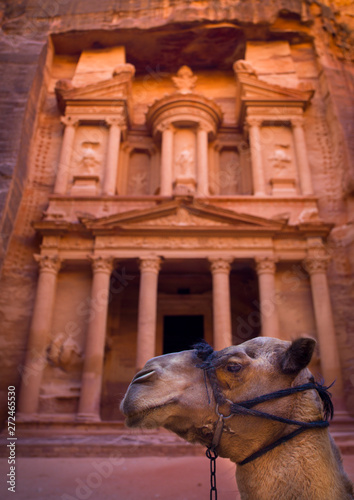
181 332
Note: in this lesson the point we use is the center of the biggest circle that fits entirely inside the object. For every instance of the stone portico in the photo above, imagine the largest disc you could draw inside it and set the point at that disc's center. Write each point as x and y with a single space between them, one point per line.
186 214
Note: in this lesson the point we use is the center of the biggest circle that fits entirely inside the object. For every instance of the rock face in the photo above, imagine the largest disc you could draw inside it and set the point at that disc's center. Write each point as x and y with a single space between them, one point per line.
167 161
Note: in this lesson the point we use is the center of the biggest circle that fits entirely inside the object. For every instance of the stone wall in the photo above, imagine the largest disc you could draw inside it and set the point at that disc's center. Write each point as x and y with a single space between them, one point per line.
40 43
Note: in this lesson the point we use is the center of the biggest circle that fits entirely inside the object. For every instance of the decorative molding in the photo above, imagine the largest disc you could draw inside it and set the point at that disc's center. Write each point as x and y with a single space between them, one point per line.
48 263
193 108
179 242
259 95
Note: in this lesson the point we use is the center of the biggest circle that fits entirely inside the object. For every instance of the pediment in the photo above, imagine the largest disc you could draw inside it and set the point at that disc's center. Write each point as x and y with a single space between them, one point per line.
117 88
182 215
253 92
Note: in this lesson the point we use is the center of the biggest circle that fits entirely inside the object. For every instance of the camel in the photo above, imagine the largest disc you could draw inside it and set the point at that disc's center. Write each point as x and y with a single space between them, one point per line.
191 392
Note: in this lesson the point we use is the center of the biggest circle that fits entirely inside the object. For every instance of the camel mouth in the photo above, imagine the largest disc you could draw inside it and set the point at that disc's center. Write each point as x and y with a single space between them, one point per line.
136 419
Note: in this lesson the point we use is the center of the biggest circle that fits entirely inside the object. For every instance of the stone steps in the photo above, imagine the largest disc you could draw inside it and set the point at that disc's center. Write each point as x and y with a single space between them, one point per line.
45 439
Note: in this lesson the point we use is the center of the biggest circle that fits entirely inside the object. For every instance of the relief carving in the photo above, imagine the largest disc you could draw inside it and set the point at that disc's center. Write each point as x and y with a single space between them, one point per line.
138 183
280 159
242 66
64 352
185 163
89 162
185 81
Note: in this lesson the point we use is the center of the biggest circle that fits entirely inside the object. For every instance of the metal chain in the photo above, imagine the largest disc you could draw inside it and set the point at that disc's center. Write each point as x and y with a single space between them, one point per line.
212 455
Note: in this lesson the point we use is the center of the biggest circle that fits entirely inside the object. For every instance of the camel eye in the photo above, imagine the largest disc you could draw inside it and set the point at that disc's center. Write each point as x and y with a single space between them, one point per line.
234 368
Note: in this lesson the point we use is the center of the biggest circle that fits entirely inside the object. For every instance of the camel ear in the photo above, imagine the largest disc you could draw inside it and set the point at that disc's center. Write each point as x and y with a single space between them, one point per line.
297 356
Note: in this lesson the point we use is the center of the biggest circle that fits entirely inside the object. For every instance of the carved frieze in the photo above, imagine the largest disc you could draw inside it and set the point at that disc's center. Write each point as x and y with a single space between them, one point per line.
174 242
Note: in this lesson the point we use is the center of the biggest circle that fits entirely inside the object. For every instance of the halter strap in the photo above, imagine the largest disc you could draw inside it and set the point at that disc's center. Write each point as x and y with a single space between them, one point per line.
245 408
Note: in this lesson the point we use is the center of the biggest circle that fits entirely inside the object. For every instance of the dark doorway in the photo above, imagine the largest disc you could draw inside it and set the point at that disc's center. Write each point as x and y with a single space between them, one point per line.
181 332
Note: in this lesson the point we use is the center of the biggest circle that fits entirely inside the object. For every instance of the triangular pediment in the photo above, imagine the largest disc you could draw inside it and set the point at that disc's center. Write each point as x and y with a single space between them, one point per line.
253 92
179 215
117 88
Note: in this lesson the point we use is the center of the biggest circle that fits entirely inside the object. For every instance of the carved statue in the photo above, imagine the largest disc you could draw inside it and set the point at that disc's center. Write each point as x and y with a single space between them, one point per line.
63 352
280 158
89 161
185 163
185 80
138 183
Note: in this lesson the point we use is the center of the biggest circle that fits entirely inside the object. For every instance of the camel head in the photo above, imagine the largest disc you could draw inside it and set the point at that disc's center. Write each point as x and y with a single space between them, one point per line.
175 392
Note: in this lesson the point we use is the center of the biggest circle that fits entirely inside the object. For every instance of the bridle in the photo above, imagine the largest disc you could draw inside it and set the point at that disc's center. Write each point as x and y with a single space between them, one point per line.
206 354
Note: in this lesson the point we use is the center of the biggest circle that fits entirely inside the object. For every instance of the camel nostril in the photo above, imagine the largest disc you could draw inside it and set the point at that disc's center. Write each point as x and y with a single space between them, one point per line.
143 376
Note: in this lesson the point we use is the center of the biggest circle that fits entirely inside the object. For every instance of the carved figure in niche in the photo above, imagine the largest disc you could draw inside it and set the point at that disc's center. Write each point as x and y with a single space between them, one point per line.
89 161
185 80
280 159
185 164
64 352
228 178
138 183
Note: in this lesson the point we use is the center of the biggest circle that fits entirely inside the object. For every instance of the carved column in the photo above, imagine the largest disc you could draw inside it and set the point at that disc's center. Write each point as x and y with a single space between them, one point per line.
91 384
149 268
61 182
166 161
268 308
220 268
114 136
254 125
330 362
301 156
202 163
36 359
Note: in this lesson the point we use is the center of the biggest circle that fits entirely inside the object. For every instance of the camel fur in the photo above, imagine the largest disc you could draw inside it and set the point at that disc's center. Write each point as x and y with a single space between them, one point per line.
171 391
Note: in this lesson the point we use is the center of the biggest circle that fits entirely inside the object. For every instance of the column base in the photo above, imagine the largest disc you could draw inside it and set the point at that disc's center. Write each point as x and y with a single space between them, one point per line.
88 417
27 417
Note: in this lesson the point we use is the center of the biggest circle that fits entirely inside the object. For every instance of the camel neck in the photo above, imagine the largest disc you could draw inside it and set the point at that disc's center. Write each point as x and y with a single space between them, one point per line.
281 471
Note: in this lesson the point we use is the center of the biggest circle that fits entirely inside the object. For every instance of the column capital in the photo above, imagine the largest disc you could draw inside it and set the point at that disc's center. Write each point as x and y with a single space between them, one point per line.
48 263
150 264
70 120
118 120
254 121
220 264
297 121
266 265
315 265
101 264
162 127
203 127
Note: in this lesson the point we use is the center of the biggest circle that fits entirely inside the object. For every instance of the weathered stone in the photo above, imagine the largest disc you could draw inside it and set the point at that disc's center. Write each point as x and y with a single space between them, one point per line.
187 163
